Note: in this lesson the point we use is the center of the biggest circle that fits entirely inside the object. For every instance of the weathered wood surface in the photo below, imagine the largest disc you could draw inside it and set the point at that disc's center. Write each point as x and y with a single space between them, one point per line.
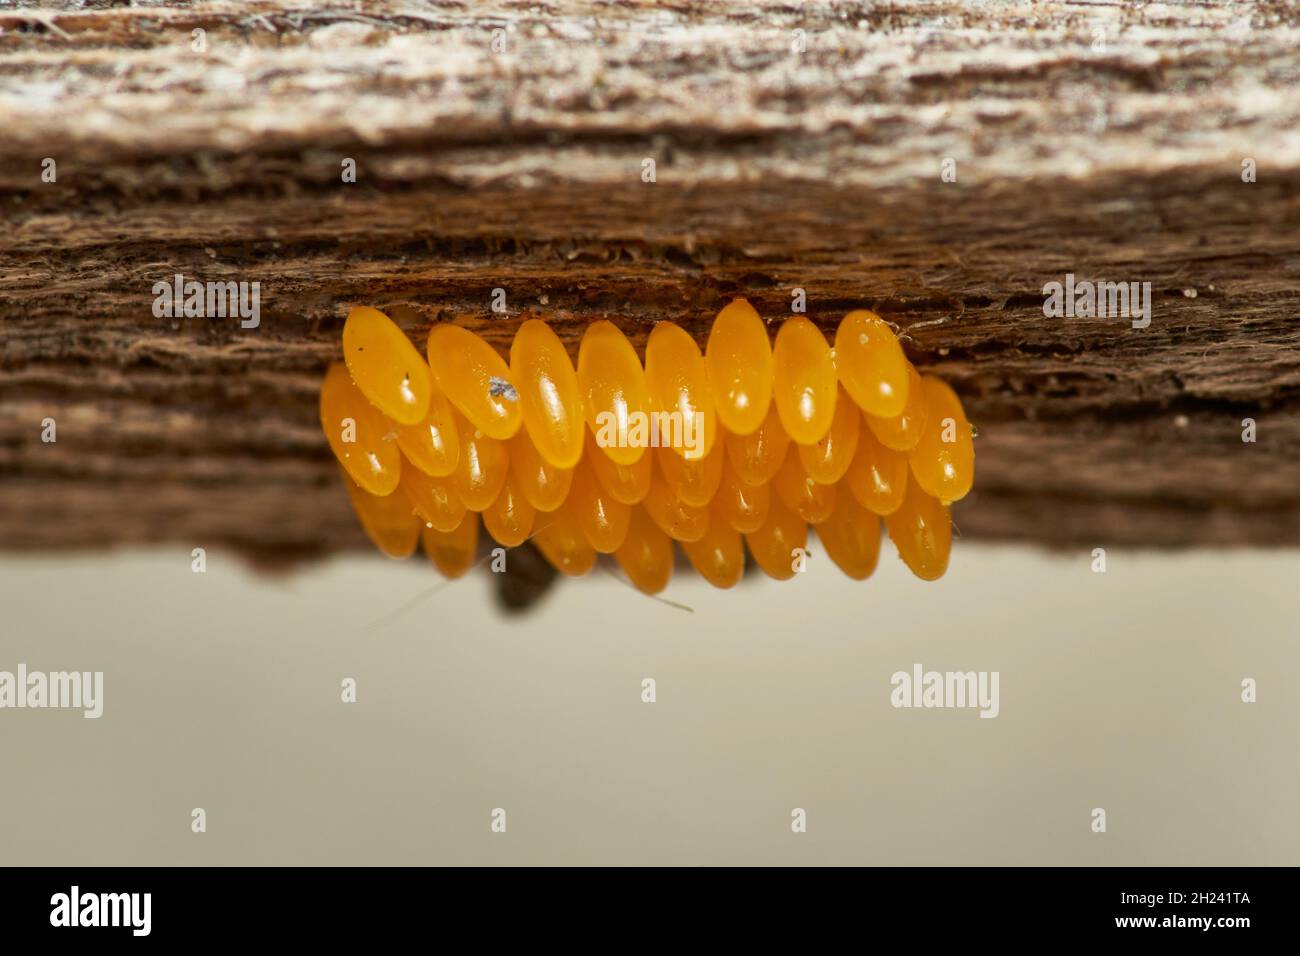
775 170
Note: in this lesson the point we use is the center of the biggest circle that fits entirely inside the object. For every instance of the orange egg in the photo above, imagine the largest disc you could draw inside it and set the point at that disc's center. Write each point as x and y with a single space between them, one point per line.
481 471
877 476
827 461
806 498
435 500
614 392
870 364
509 519
851 537
694 482
626 483
943 461
743 506
719 556
549 397
603 519
803 385
678 383
921 530
432 445
452 552
542 484
388 521
560 539
678 520
385 365
780 543
739 360
758 456
646 555
902 432
476 380
362 439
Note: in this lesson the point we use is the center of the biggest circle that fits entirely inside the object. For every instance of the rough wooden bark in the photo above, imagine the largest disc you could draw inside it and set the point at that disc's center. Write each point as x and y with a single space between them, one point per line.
775 170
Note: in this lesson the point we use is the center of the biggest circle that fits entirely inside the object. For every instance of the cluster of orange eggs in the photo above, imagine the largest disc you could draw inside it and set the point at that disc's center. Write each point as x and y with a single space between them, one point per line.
787 435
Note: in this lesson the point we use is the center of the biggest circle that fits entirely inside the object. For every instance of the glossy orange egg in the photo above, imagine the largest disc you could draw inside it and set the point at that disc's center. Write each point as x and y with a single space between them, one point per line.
646 555
678 520
851 537
385 365
877 476
603 519
719 556
758 456
476 380
481 471
694 482
870 364
388 521
626 483
804 382
509 519
921 530
542 484
740 366
678 383
806 498
902 432
743 506
827 461
549 397
776 545
616 399
943 461
435 500
432 445
559 537
452 552
362 439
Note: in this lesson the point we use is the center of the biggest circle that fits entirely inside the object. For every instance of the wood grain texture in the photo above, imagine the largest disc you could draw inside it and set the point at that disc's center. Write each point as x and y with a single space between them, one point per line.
1118 160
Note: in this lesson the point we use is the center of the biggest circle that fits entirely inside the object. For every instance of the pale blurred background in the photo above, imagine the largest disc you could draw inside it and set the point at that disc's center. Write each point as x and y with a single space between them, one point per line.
222 691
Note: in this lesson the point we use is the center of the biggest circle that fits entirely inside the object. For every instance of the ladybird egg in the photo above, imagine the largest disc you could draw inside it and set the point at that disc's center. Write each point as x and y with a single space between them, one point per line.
358 433
775 543
614 392
803 385
560 539
758 456
719 556
509 519
646 555
388 521
603 520
386 366
482 468
871 364
693 481
626 483
452 552
435 500
548 393
827 461
921 530
943 461
743 506
877 476
806 498
542 484
678 520
432 445
476 380
904 431
739 360
851 537
678 382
